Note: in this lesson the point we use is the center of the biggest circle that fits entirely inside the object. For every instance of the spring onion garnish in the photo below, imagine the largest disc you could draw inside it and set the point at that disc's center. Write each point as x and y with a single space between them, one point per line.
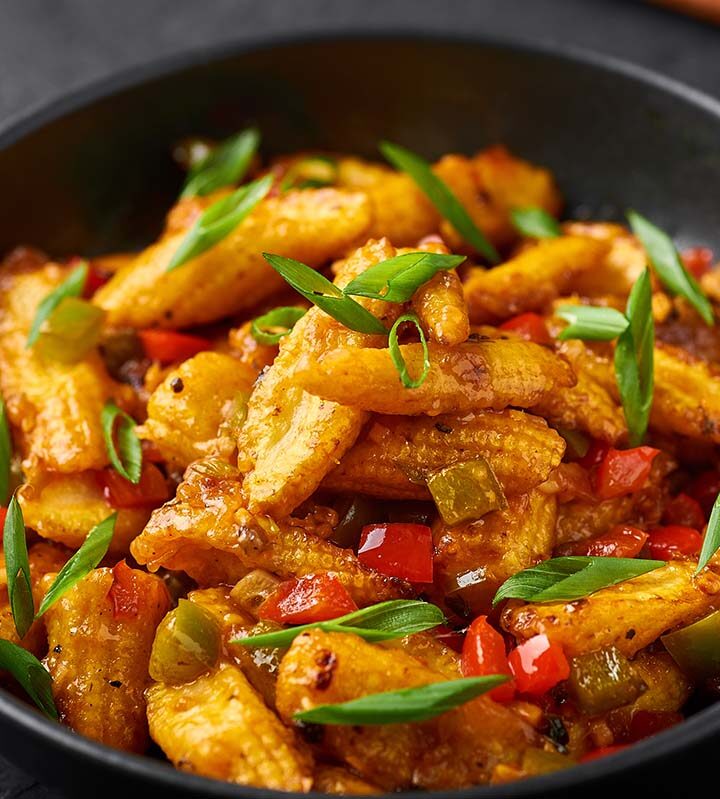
31 674
393 619
17 568
92 551
274 325
591 323
312 172
219 220
71 331
5 454
326 295
668 265
574 577
398 707
397 279
635 332
225 165
634 359
72 286
396 352
535 223
440 196
126 458
711 540
466 491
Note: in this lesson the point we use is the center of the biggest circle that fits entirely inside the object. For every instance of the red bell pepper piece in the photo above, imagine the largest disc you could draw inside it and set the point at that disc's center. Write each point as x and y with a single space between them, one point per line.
697 260
484 653
530 326
623 471
150 492
673 542
167 346
124 593
399 550
684 510
603 751
595 454
622 541
705 488
3 514
538 665
317 597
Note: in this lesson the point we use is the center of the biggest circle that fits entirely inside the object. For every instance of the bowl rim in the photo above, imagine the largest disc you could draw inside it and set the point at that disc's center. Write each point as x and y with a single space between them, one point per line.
155 772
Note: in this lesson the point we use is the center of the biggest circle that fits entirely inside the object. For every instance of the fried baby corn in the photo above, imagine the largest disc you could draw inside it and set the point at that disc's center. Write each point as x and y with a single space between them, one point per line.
218 726
470 377
531 280
312 226
206 532
394 454
459 748
186 411
629 616
99 656
54 406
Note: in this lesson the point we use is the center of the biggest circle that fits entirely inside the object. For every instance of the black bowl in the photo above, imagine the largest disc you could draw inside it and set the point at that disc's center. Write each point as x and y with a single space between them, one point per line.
93 173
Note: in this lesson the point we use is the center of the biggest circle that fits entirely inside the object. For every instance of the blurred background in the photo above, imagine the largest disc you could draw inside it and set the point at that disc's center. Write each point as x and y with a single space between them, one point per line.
51 47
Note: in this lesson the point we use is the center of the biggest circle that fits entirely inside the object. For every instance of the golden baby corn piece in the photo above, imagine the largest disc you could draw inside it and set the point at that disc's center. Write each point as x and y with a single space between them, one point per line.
292 439
207 532
54 406
620 268
588 406
629 616
65 507
218 726
394 454
327 668
341 782
531 280
398 209
99 649
470 377
473 560
312 226
186 411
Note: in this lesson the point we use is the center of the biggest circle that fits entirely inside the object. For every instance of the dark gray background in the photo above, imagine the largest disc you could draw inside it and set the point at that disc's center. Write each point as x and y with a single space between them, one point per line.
48 47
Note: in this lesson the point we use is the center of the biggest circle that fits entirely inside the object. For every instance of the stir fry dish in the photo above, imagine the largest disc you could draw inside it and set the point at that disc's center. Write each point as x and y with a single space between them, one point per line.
363 477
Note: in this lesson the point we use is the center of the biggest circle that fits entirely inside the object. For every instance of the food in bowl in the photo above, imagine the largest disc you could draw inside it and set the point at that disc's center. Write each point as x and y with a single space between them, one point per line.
363 477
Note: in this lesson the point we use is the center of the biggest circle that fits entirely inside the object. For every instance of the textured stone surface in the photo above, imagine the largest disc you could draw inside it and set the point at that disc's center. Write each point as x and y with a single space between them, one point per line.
47 49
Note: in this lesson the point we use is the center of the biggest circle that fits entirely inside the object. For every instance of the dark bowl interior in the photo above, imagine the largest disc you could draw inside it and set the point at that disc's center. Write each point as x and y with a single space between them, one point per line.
93 173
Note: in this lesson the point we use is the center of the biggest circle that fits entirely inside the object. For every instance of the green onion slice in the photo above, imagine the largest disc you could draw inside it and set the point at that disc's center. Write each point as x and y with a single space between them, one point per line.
5 454
591 323
126 458
574 577
535 223
281 320
668 265
634 360
396 352
219 221
225 165
326 295
395 618
400 707
72 286
17 567
31 674
397 279
92 551
440 196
